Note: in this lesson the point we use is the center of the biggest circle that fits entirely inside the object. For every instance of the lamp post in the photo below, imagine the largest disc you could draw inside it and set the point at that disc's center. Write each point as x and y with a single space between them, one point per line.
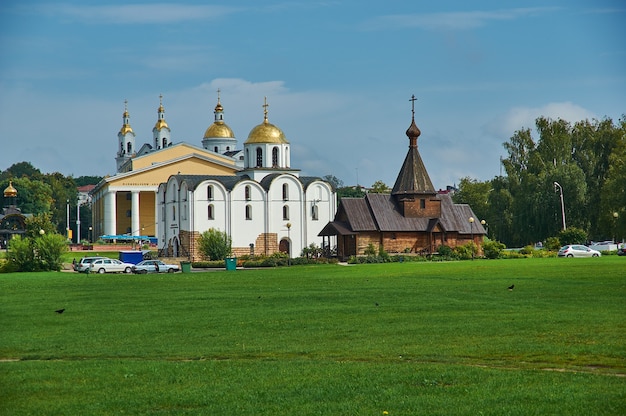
557 185
41 232
289 238
485 226
90 229
471 221
615 217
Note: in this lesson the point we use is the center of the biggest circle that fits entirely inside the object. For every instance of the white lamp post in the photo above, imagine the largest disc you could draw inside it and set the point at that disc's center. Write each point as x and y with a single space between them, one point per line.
289 237
557 185
471 221
615 217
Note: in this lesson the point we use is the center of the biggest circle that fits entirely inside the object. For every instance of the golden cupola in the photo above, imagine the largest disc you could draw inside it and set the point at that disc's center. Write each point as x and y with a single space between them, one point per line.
266 132
126 128
10 191
219 129
161 123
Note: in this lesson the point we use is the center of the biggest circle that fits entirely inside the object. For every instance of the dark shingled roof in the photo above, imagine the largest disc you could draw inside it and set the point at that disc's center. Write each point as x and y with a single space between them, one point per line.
413 178
379 212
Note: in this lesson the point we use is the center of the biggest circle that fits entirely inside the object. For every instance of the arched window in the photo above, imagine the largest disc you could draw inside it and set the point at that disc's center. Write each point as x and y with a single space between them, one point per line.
248 212
129 147
247 192
275 157
209 192
314 212
285 212
164 142
259 157
285 192
173 212
215 149
228 148
210 212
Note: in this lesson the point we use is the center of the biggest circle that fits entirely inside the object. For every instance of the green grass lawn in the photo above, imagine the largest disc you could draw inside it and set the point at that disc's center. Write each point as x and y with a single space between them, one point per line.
404 338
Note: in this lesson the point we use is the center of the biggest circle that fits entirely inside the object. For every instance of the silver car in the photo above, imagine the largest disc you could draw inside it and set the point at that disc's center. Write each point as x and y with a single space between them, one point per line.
154 266
84 263
110 266
577 250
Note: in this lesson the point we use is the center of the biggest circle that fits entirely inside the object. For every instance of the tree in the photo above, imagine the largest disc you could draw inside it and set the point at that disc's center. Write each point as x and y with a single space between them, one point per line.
379 187
215 244
22 170
334 181
33 196
350 192
40 249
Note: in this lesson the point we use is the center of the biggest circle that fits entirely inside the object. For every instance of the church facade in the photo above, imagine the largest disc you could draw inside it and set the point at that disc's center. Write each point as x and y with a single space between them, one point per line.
265 208
176 191
413 218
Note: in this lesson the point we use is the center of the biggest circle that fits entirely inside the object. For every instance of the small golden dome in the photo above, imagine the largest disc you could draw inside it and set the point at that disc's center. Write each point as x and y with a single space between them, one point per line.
266 132
219 129
10 191
161 124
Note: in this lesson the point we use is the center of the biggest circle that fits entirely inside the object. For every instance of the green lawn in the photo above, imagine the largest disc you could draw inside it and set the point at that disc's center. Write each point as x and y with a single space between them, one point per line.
406 338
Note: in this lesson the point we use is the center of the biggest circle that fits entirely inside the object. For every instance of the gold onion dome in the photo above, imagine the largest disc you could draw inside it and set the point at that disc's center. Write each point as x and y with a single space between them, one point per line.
161 123
218 129
10 191
266 132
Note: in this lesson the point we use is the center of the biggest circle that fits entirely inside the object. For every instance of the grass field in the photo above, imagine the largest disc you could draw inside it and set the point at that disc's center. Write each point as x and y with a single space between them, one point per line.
442 338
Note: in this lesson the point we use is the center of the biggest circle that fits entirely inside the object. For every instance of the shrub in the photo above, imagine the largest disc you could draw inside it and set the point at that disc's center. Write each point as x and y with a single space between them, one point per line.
493 249
466 251
552 243
573 235
370 250
215 244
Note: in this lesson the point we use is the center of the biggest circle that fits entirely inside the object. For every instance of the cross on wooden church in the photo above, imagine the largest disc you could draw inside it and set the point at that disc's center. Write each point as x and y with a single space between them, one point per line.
413 99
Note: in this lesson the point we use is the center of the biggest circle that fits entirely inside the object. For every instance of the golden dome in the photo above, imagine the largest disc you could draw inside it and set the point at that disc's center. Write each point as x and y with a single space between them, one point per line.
266 132
10 191
161 124
126 128
219 129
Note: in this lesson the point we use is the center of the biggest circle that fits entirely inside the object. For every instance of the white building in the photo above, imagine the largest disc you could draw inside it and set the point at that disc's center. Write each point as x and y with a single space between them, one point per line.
265 207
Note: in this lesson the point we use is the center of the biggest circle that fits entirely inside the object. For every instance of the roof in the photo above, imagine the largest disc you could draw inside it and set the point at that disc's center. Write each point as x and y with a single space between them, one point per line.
379 212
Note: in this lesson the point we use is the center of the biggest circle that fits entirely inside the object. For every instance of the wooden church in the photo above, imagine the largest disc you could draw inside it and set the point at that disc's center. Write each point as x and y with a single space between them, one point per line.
414 218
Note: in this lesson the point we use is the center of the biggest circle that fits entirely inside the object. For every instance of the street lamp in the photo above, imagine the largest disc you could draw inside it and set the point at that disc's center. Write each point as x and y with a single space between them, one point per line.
289 237
90 229
471 221
485 226
557 185
615 217
42 232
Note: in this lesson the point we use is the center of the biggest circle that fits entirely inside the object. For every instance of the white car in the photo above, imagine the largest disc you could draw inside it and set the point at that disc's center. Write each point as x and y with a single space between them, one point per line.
110 266
84 263
154 266
577 250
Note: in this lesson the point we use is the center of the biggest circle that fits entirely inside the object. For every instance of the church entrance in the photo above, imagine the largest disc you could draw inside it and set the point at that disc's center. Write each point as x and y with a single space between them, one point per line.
284 247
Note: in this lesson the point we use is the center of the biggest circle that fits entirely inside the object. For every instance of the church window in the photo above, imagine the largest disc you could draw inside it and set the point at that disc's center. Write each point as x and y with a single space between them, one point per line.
422 203
314 212
275 157
285 212
209 192
173 213
247 192
210 213
228 148
259 157
164 142
248 212
129 148
285 192
215 149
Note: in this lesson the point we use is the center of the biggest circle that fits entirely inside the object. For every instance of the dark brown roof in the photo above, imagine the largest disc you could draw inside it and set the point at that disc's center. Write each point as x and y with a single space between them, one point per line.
379 212
413 177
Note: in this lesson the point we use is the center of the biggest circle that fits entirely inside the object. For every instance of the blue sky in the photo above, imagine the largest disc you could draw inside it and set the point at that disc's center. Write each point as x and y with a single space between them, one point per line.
338 76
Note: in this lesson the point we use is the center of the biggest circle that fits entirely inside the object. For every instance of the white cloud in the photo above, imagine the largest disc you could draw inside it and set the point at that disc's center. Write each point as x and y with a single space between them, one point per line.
141 13
519 118
452 20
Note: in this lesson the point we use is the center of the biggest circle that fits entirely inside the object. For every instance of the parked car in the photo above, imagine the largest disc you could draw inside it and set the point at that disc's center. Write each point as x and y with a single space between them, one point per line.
621 251
83 264
577 250
106 265
154 266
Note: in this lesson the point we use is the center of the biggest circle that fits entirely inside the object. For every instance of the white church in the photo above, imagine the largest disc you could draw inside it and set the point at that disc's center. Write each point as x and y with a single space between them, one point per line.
177 191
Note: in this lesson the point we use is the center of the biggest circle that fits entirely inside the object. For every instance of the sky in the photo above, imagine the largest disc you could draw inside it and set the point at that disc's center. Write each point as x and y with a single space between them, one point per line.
338 77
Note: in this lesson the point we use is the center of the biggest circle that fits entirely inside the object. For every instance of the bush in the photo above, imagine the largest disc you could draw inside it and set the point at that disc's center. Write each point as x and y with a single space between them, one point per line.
215 244
552 243
573 235
41 253
493 249
466 251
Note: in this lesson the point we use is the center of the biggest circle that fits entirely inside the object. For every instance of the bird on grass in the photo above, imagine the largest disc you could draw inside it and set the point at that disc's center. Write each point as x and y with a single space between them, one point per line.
60 311
511 288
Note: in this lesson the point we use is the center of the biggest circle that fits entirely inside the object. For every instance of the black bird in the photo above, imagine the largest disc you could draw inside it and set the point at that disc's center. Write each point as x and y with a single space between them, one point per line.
59 311
376 303
511 287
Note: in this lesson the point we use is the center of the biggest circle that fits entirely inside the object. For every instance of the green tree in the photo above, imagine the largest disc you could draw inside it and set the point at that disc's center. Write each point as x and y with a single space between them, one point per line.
22 170
48 249
33 196
350 192
573 235
215 244
334 181
380 187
